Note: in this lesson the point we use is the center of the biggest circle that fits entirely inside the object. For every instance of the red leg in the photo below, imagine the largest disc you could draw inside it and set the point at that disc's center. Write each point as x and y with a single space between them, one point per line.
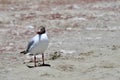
43 64
35 60
43 58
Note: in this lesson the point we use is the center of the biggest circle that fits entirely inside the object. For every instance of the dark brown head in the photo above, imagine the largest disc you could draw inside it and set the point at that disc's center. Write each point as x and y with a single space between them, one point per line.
41 31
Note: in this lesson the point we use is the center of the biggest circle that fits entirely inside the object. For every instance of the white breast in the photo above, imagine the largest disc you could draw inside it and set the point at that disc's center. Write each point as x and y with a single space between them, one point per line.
40 45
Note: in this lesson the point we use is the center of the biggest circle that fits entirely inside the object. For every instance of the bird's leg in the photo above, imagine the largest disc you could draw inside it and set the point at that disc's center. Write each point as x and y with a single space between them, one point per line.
35 60
43 64
43 58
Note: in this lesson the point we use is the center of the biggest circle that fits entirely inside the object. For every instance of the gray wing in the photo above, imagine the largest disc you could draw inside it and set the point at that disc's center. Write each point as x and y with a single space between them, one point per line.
29 45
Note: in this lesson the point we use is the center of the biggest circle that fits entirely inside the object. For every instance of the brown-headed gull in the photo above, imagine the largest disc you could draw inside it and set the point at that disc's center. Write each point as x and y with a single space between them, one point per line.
37 45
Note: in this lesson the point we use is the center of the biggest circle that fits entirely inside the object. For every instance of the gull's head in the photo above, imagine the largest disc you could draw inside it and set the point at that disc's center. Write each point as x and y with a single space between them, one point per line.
41 30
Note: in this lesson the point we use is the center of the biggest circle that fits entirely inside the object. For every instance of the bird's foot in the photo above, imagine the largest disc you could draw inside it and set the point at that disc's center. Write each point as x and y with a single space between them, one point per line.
40 65
30 66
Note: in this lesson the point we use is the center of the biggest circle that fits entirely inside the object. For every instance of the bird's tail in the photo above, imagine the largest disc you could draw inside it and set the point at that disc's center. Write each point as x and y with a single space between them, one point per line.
23 52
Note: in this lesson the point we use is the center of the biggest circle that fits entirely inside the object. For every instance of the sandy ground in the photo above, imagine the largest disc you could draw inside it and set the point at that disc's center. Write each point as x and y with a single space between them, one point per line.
84 39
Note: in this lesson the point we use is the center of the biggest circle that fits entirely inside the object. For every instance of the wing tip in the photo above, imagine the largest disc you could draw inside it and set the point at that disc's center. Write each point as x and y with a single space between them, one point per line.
23 52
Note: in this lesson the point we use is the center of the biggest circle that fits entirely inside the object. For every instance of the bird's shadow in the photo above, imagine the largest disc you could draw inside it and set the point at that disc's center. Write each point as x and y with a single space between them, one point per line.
39 65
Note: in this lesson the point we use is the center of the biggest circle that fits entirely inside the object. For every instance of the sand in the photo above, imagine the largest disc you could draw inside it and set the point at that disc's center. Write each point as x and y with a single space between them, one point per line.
84 39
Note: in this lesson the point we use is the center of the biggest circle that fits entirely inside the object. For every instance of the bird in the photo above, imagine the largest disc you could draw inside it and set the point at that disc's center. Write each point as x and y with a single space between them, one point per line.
37 45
